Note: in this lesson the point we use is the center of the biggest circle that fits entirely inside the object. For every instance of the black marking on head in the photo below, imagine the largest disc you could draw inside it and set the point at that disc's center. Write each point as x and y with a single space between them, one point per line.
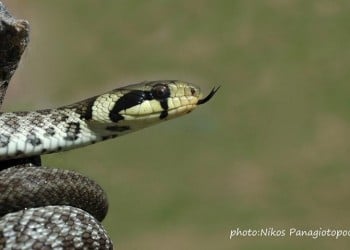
33 139
165 107
160 91
72 131
115 117
163 114
164 104
4 140
128 100
117 128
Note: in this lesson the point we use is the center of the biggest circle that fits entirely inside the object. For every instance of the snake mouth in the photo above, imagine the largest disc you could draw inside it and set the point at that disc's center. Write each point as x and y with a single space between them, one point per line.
209 96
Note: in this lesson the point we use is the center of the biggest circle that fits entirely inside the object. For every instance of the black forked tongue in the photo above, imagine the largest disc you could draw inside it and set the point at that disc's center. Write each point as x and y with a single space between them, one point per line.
208 97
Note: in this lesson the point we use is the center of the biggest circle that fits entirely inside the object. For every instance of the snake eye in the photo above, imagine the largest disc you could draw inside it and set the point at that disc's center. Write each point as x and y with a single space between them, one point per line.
160 91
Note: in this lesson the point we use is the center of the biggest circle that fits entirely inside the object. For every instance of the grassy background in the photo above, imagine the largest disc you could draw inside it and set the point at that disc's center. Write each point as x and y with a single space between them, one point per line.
271 150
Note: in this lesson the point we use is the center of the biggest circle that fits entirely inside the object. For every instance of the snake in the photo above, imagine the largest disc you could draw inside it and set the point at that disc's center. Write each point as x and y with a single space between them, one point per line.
45 208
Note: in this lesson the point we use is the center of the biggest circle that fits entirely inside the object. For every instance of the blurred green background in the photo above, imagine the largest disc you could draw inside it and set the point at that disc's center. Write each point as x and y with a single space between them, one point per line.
270 150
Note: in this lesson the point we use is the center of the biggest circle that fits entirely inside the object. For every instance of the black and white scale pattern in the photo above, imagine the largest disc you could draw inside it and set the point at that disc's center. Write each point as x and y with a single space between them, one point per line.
52 227
65 208
35 133
112 114
45 208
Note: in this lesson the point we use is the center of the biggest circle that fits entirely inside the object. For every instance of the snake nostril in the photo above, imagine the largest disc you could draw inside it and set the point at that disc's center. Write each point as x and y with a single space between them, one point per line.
193 90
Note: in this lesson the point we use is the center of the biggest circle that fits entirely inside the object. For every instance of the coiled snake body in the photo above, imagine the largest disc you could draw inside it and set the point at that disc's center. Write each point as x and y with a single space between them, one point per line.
45 208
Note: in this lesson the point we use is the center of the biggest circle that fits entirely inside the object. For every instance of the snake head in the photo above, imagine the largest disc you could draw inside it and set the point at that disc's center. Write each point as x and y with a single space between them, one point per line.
164 99
137 106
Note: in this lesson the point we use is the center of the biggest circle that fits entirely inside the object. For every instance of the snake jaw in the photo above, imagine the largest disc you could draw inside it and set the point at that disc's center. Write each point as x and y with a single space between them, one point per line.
209 96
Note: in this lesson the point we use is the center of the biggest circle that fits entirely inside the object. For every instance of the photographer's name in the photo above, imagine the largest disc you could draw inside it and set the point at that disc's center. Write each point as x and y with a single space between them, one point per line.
290 232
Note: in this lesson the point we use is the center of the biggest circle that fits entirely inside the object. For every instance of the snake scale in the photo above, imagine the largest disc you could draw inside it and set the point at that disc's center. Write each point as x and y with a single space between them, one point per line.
62 197
45 208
